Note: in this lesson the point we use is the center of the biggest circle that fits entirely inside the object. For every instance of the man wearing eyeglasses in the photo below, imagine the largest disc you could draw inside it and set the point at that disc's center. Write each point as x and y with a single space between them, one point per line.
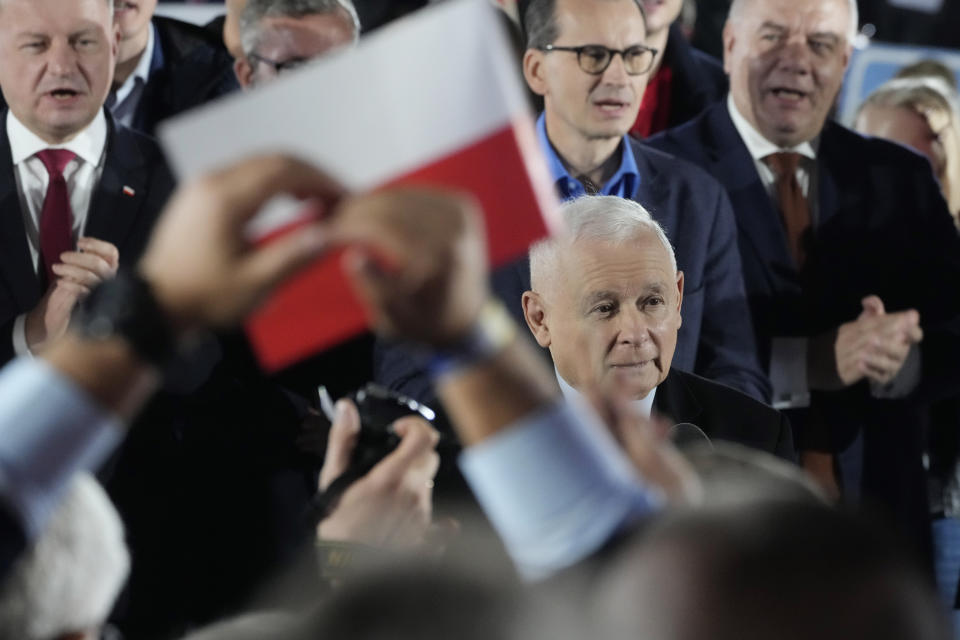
278 36
589 62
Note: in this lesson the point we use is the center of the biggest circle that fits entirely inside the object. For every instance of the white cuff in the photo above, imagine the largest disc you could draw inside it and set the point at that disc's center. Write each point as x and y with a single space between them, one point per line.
20 346
904 382
557 487
788 373
49 429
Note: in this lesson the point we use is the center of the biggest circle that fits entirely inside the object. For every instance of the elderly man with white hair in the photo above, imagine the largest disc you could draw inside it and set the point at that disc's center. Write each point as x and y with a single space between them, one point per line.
606 302
64 587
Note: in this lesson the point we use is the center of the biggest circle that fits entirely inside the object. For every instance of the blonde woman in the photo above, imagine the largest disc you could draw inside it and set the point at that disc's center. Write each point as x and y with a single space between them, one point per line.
922 113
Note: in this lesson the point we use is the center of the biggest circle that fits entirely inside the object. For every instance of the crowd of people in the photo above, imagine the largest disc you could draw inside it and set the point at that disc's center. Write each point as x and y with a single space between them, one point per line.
723 402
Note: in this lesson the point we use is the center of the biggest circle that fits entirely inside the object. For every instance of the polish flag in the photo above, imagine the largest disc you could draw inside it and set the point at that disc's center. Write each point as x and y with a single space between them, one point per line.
433 99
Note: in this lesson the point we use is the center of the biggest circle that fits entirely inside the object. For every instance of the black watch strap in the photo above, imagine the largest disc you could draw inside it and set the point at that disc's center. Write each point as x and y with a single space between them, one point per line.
126 307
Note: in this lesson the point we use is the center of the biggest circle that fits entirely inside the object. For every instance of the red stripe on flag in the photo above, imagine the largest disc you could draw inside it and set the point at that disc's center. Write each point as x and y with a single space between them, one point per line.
317 309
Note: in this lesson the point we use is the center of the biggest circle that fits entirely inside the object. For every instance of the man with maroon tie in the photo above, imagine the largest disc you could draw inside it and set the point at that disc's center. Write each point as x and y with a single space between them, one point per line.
78 193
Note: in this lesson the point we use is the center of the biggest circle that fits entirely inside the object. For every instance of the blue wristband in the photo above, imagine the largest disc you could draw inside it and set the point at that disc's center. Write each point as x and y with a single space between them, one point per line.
490 334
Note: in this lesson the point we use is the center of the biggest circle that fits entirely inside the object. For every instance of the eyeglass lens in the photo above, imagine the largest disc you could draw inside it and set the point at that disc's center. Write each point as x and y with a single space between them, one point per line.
596 59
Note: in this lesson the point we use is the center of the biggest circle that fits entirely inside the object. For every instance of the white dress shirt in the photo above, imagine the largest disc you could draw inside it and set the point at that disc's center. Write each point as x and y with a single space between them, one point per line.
788 357
643 406
82 175
124 101
759 148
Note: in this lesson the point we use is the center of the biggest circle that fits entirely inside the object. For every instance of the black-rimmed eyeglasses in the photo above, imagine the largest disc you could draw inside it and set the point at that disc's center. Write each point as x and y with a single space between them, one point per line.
595 58
279 66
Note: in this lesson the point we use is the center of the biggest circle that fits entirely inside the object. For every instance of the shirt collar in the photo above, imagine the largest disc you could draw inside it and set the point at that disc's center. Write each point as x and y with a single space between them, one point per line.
643 406
758 146
143 68
88 144
623 183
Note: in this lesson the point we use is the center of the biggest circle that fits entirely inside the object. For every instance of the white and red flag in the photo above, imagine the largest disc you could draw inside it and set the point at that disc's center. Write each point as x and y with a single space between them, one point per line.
433 99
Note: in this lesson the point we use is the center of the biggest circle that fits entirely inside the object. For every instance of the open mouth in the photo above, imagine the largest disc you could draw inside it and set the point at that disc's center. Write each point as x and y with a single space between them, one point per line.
64 94
786 93
610 105
628 366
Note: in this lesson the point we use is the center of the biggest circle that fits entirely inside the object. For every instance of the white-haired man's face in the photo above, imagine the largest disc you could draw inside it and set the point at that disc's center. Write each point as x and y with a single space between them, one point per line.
610 314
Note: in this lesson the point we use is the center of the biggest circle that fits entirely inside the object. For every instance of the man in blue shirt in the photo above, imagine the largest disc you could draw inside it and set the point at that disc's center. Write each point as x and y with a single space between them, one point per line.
589 62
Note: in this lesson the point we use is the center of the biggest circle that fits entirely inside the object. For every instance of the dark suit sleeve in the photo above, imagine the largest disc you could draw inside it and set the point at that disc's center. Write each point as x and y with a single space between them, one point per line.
6 338
727 351
13 540
785 447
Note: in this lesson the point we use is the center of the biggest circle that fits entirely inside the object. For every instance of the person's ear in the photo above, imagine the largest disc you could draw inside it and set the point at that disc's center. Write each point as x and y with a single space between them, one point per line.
534 72
679 297
115 45
847 53
729 40
535 313
244 71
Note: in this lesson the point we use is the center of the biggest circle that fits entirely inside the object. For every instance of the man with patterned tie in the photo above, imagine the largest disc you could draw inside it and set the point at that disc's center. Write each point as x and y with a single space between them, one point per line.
849 258
78 193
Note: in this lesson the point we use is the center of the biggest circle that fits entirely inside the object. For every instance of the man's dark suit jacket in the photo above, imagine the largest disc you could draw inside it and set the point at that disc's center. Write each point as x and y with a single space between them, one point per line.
882 228
724 413
196 69
698 78
124 219
716 338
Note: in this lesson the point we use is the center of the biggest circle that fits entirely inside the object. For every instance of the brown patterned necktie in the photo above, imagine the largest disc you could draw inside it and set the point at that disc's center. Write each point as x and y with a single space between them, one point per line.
793 204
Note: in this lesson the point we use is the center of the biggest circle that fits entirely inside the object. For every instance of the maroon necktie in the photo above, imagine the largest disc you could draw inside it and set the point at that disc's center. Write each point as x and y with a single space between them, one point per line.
793 204
56 217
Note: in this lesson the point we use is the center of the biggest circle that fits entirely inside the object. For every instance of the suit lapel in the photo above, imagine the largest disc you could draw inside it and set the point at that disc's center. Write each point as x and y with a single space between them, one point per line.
757 218
651 189
829 193
16 266
675 401
118 199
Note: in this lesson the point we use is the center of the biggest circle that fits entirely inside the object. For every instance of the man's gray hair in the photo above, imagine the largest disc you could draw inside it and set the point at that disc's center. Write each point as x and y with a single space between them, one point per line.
605 218
257 10
69 579
738 10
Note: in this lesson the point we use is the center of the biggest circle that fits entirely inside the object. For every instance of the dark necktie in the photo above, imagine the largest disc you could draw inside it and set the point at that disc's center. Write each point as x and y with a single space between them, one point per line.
589 186
793 204
56 217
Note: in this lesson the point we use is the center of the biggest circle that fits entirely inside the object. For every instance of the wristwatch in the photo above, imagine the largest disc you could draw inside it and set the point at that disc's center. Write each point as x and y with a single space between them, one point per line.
125 307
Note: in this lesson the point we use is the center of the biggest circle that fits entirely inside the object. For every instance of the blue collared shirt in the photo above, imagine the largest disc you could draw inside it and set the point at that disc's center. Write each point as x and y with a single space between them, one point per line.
623 183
